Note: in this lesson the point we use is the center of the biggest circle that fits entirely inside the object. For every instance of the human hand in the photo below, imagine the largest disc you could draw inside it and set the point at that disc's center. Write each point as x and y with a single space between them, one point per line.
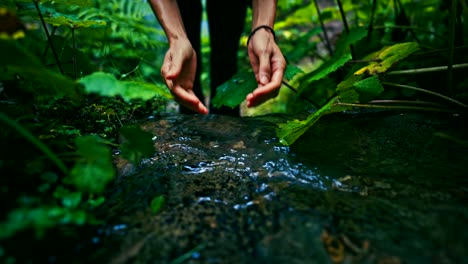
268 65
178 70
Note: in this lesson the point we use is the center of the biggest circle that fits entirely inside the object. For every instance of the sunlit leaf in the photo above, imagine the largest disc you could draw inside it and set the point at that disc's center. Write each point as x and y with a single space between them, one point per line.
94 170
387 57
137 145
73 22
233 92
157 203
323 70
106 84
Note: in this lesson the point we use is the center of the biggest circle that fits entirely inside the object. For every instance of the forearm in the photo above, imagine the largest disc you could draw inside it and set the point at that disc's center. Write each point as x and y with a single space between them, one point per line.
264 12
168 15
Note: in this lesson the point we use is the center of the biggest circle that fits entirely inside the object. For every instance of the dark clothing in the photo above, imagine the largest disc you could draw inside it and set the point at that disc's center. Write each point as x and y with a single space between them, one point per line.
226 21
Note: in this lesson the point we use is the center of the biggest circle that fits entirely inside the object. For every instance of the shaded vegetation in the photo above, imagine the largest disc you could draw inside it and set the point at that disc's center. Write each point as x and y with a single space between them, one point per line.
75 76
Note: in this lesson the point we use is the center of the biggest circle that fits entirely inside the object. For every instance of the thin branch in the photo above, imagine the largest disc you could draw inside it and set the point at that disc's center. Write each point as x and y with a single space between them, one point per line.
294 90
430 69
371 23
49 39
322 25
427 92
430 109
345 24
451 47
401 102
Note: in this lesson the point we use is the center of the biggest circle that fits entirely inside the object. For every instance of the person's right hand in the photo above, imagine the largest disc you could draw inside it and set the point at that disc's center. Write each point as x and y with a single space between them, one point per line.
178 70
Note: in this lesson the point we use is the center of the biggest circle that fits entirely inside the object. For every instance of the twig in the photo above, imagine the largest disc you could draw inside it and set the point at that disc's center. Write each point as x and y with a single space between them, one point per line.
345 24
322 25
430 69
451 47
405 102
371 23
430 109
427 92
294 90
48 37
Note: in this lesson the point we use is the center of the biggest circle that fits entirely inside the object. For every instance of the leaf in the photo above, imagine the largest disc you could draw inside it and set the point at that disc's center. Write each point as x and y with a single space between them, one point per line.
370 86
157 203
290 131
323 70
72 22
106 84
291 71
94 170
69 199
387 57
138 144
355 34
233 92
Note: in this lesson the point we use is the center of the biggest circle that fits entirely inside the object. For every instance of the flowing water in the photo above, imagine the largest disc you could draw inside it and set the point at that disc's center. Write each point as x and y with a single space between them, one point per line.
357 188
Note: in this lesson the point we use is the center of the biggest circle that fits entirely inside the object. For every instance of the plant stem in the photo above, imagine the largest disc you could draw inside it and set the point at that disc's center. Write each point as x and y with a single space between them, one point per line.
430 109
36 142
427 92
49 39
430 69
371 23
451 47
322 25
75 66
294 90
405 102
345 24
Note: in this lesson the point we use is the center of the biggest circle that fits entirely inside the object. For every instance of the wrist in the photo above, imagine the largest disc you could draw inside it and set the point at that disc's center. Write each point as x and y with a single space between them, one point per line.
261 27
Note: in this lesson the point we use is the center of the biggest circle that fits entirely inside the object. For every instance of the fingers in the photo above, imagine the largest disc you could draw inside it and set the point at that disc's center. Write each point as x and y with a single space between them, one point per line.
188 99
264 69
266 92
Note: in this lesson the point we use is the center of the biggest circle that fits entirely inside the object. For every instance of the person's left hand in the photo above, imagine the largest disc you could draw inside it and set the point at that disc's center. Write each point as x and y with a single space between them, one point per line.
268 65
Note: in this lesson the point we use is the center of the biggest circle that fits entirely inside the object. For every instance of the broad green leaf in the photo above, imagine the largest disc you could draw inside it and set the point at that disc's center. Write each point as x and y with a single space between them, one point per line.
291 71
348 83
290 131
369 85
355 35
106 84
94 170
157 203
137 145
72 22
323 70
69 199
387 57
233 92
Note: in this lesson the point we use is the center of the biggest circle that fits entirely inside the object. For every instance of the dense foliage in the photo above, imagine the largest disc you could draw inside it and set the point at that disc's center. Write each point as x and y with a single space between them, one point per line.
75 75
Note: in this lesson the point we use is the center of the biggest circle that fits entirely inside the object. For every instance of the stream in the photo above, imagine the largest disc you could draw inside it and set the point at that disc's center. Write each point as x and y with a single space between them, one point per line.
379 187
